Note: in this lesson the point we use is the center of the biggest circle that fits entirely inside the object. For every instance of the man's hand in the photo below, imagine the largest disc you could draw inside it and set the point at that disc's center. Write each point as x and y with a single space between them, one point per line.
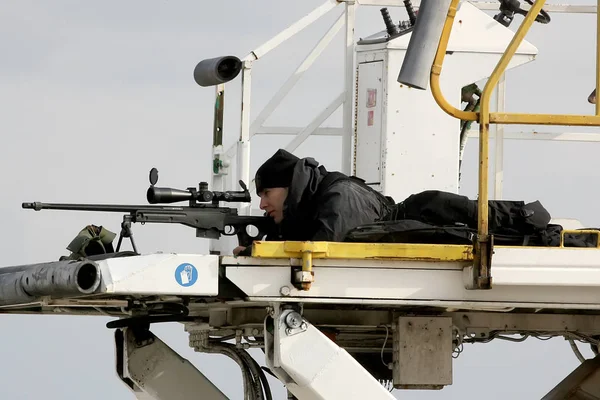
238 250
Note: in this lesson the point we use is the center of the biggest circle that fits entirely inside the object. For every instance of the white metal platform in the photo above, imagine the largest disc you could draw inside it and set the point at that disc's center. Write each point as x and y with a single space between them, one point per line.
375 313
357 303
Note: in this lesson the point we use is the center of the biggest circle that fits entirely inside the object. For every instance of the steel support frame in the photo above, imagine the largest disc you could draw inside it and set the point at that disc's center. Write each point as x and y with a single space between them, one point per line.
248 129
469 322
154 371
310 364
483 245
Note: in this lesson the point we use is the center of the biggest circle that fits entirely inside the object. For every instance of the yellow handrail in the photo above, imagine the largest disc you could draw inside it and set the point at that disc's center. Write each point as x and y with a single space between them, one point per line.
436 69
485 117
504 117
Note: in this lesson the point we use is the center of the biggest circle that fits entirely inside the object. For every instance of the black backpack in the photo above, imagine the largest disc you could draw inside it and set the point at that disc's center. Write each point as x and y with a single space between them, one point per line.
438 217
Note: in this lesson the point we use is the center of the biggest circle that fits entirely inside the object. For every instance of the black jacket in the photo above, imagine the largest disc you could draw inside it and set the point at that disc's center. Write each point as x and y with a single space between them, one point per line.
323 206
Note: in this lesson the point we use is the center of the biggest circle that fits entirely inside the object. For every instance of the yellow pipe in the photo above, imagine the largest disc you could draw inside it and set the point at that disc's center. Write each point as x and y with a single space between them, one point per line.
307 267
505 118
436 69
484 113
544 119
598 60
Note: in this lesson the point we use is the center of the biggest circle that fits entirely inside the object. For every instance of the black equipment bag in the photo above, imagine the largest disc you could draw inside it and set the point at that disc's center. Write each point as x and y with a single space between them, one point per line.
437 217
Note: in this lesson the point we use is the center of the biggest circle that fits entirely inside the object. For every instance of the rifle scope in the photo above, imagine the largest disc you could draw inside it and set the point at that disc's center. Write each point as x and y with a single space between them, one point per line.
156 195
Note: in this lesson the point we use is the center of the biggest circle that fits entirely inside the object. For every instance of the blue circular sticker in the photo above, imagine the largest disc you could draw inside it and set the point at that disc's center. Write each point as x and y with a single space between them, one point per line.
186 274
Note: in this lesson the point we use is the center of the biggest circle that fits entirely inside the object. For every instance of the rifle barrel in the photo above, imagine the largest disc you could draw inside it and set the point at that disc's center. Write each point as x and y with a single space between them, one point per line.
37 206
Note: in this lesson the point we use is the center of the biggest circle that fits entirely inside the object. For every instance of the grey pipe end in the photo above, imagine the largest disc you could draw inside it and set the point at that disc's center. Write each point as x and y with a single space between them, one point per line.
215 71
88 277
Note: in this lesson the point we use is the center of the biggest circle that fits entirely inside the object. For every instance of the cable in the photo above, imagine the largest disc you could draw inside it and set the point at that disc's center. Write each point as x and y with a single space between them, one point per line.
222 348
259 382
254 370
571 337
580 356
384 343
263 378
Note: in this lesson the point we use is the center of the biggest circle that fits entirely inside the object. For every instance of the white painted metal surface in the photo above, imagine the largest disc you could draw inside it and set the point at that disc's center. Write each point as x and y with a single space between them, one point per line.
523 277
348 107
161 274
411 120
243 144
561 277
162 373
350 9
292 30
371 91
313 367
559 268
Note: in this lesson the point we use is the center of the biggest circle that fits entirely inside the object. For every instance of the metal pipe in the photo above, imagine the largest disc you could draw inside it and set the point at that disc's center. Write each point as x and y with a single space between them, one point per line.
424 43
436 69
243 150
499 141
544 119
26 283
484 114
217 180
575 349
495 117
348 100
277 99
598 60
483 245
315 123
291 30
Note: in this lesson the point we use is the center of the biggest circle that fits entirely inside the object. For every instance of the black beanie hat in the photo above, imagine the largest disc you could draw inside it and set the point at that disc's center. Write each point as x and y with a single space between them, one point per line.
277 171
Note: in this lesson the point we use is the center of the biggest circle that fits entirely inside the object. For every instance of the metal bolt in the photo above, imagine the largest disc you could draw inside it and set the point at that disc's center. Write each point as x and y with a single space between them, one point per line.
304 326
285 291
293 320
288 331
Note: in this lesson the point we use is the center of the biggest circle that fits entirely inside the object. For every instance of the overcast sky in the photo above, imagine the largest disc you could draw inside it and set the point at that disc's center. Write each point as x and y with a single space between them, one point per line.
94 94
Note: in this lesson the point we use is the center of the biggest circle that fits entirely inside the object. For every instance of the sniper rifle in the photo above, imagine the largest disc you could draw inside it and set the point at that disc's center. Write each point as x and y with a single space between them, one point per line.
203 212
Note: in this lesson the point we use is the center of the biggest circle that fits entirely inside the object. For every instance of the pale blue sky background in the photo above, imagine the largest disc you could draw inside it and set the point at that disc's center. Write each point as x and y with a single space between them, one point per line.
94 94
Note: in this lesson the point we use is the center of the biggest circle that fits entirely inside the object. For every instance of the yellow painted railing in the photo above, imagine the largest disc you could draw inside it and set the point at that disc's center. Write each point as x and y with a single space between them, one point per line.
485 117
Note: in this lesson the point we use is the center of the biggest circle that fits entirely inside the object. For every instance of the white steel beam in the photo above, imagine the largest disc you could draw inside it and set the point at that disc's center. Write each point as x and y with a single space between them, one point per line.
293 29
310 128
161 372
347 116
581 384
289 130
489 5
312 366
559 277
243 144
295 77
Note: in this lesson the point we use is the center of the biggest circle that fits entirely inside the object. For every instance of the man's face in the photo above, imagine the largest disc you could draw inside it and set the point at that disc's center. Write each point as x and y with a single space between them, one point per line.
271 201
